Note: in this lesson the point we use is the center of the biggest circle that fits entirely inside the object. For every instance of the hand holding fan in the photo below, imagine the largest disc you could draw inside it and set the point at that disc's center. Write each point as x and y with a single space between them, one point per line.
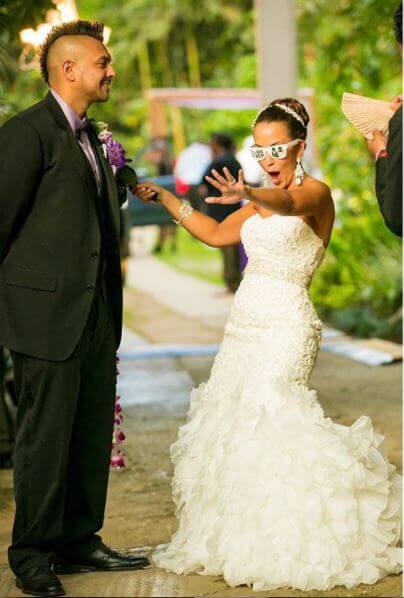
367 114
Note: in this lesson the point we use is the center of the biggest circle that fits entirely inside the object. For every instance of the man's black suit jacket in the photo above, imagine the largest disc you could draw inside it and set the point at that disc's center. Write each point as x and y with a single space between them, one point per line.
50 235
389 177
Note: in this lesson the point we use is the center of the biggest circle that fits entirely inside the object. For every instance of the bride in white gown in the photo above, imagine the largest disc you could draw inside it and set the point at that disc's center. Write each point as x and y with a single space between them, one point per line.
268 491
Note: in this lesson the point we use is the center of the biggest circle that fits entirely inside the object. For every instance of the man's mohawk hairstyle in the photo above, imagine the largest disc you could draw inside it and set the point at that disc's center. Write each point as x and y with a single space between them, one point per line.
93 29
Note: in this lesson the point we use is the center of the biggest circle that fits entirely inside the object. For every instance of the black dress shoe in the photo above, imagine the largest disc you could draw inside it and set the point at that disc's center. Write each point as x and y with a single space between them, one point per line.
40 581
106 559
62 567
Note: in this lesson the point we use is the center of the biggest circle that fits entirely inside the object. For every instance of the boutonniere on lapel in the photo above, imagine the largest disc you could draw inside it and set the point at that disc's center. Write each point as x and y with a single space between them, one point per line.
114 153
112 150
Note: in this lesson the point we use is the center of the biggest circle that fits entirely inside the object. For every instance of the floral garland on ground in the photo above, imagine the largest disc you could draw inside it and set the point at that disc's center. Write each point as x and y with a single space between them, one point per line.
118 437
115 154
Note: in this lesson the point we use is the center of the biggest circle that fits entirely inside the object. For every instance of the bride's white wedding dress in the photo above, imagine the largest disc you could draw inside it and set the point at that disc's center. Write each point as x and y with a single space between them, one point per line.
270 492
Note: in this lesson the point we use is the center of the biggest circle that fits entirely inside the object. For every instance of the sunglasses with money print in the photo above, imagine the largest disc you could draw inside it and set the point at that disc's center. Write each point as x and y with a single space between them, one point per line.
278 151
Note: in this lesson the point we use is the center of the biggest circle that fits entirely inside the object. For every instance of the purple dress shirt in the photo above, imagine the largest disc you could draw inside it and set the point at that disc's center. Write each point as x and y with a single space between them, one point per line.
75 123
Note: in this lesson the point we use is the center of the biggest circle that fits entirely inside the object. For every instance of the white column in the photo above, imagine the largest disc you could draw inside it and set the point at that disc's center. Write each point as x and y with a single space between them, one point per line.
276 48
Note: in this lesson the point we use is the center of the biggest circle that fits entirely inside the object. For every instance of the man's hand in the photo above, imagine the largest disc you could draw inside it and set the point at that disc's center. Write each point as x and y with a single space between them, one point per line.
232 190
377 143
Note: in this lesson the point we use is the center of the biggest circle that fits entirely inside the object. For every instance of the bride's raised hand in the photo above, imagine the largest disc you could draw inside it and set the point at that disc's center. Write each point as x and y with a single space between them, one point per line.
232 190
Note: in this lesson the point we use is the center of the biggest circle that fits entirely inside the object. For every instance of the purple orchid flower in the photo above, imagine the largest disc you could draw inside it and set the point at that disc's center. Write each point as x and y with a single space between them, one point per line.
115 151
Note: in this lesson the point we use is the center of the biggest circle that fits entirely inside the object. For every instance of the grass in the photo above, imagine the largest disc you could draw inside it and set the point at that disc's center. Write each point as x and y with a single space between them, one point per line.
193 257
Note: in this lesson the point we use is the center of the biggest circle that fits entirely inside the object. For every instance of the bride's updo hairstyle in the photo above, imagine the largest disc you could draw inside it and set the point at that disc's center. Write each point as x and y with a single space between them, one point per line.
288 110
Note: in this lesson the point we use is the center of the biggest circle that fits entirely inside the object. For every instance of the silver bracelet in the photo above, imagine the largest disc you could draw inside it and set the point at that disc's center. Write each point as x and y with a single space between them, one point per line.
185 211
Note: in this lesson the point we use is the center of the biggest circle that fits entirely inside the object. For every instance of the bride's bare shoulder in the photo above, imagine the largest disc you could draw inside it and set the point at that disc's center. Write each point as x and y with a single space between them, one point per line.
323 192
318 186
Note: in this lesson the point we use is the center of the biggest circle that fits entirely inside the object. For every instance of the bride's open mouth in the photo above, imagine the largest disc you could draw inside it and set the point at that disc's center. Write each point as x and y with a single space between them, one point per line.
275 177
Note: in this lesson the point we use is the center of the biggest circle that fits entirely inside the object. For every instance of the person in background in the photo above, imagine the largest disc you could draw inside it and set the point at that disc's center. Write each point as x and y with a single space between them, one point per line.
388 154
189 169
158 154
222 147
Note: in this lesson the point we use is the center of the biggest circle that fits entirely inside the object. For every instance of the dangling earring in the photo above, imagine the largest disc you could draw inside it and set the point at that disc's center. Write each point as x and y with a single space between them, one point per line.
299 172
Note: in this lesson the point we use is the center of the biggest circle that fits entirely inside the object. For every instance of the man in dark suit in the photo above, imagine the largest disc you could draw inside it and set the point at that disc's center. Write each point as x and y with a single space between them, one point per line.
61 313
388 154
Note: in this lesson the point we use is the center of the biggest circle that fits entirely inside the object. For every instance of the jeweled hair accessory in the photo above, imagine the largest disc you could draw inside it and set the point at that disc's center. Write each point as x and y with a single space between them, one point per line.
282 107
290 111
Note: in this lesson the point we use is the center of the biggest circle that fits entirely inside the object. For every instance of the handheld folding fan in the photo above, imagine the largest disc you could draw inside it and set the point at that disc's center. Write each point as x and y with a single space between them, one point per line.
367 114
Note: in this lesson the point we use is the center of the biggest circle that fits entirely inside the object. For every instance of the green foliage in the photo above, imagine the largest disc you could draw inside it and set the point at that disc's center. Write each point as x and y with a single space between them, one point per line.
18 14
14 16
342 46
224 39
350 46
358 287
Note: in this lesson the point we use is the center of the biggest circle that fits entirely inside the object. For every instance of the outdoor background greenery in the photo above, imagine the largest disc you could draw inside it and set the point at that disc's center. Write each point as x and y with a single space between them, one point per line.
342 46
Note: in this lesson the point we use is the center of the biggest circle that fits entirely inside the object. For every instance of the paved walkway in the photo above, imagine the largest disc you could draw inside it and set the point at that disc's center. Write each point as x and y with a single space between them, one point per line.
145 381
179 292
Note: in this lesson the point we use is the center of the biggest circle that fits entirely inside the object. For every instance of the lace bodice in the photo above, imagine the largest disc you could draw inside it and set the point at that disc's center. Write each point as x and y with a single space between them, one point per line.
284 247
273 302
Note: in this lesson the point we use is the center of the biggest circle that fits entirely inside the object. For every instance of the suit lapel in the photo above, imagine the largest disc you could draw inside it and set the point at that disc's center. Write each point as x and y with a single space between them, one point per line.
83 166
109 178
79 159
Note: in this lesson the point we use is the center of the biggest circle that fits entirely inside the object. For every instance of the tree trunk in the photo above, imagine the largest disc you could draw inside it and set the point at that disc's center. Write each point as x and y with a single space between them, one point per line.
144 67
192 58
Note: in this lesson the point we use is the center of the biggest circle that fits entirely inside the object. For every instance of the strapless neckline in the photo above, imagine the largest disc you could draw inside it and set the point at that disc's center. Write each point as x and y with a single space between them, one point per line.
315 235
